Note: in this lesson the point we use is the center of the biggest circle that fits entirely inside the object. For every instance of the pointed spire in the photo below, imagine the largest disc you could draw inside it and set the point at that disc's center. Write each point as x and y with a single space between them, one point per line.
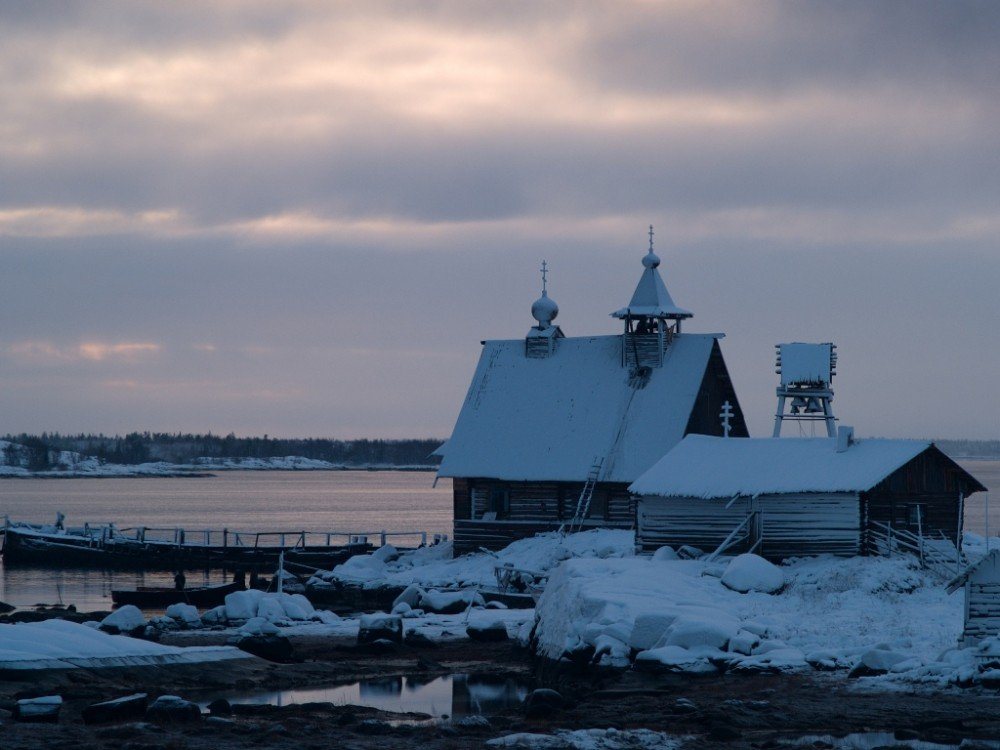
651 298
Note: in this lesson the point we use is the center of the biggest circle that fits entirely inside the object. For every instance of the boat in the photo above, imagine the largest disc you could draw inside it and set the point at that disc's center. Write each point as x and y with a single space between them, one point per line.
160 597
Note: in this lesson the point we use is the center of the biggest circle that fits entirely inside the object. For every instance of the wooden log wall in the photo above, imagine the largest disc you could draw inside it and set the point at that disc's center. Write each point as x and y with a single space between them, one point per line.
805 524
544 501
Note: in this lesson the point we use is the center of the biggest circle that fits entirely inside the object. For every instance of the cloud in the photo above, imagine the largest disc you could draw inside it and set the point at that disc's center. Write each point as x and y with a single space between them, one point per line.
48 353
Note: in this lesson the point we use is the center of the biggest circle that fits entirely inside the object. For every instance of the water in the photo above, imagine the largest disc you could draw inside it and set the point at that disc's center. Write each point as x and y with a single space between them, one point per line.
241 500
451 695
988 473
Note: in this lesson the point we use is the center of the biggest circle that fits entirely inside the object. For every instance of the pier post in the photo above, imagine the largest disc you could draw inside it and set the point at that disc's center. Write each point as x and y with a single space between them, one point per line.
382 538
225 538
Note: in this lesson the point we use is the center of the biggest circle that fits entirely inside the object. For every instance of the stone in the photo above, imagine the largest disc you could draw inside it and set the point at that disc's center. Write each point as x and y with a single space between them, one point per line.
876 662
43 710
410 595
218 721
749 572
665 553
276 648
380 627
416 639
487 632
125 620
121 709
542 703
220 707
172 709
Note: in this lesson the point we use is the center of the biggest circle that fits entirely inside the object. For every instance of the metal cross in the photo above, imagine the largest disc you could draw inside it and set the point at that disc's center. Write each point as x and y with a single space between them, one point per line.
650 238
726 415
545 276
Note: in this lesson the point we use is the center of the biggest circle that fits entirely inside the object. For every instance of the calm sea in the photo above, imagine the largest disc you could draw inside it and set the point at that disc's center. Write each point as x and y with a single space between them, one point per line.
357 501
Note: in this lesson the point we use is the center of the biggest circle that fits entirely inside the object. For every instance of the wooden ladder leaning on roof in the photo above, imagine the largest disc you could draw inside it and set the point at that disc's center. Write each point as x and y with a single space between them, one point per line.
583 503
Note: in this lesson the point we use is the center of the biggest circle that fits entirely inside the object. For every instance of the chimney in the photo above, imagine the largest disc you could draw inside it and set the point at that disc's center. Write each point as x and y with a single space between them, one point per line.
845 436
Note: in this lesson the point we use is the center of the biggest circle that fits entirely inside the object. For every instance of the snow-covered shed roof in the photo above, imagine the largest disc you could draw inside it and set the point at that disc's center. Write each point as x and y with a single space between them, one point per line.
547 419
711 467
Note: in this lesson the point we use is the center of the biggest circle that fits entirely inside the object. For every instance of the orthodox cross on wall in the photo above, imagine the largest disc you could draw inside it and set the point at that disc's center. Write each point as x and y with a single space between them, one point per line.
726 415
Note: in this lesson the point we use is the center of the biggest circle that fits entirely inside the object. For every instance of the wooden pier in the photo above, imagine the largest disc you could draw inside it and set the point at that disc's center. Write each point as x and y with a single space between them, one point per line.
145 547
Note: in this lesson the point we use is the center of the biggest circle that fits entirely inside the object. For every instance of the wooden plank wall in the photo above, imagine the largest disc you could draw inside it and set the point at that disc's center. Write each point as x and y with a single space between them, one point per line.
469 536
983 610
804 524
549 501
462 498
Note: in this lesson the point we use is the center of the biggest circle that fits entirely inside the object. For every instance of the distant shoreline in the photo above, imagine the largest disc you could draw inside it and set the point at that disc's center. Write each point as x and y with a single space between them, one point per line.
214 471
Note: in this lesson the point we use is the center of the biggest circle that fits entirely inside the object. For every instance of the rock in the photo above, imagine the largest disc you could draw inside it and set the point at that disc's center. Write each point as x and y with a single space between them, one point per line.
220 707
687 552
5 608
276 648
215 616
401 609
44 710
489 632
380 646
259 626
876 662
648 629
723 733
684 706
125 620
184 614
416 639
450 602
121 709
691 630
380 627
665 553
744 642
542 703
496 604
385 553
749 572
172 709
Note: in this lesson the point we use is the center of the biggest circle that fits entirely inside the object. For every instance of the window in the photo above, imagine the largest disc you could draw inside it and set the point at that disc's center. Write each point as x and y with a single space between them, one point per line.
500 501
916 515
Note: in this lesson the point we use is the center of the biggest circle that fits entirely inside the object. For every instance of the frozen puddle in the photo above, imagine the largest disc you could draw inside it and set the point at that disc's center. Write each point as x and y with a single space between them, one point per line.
446 696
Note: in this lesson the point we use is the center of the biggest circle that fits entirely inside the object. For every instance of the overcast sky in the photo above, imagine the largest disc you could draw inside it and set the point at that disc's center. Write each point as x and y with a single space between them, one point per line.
300 218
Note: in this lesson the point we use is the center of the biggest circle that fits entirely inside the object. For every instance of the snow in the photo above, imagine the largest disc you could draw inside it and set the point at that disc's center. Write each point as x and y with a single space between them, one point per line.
651 296
59 644
273 607
749 572
435 567
831 613
589 739
805 363
713 467
185 613
547 419
126 619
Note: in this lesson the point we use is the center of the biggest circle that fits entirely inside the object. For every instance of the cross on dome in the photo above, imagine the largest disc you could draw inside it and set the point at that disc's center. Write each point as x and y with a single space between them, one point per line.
544 309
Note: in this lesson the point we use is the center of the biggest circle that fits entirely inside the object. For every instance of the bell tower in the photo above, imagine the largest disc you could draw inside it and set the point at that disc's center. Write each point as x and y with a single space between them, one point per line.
806 372
652 320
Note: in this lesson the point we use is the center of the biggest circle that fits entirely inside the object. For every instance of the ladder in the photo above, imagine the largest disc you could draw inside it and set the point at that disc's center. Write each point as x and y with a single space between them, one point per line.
583 503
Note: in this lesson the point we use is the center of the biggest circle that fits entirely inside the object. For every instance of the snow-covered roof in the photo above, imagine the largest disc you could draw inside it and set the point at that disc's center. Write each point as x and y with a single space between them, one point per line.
651 296
805 363
547 419
711 467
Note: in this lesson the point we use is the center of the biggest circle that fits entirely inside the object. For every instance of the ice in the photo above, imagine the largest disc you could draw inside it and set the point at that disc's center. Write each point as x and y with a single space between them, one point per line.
753 573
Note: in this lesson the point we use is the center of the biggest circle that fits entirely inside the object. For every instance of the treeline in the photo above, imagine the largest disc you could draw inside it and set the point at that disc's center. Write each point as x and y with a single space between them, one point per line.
970 448
141 447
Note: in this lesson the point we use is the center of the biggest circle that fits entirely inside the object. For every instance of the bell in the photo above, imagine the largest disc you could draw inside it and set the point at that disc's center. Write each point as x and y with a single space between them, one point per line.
798 404
814 406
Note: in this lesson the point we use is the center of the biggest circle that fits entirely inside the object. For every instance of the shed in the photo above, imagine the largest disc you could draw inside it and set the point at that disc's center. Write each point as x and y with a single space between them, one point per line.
982 598
799 496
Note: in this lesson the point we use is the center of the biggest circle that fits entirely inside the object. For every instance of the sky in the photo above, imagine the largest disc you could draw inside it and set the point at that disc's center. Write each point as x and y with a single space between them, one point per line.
301 218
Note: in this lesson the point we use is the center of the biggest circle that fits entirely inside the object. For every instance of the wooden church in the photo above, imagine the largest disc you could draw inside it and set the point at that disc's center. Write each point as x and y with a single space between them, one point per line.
554 428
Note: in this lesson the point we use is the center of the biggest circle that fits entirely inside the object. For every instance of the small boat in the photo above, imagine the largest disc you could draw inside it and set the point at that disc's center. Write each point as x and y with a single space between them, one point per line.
160 597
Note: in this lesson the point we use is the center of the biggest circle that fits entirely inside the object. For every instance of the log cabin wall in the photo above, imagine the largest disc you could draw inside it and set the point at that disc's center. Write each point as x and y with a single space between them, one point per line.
791 525
930 482
526 508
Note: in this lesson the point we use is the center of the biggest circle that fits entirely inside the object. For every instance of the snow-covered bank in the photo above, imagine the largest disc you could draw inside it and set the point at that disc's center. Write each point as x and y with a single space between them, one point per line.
435 567
58 644
885 614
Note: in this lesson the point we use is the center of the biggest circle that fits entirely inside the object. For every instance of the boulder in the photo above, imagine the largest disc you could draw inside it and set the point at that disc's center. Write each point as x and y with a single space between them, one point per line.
648 629
401 609
220 707
172 709
665 553
450 602
543 703
876 662
416 639
44 710
276 648
385 553
259 626
749 572
124 620
121 709
380 627
215 616
488 632
411 596
691 630
184 614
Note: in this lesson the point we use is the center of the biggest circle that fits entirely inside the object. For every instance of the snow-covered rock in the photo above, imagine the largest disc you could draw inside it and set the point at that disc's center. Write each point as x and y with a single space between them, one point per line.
665 553
185 614
259 626
749 572
126 619
410 596
380 626
450 602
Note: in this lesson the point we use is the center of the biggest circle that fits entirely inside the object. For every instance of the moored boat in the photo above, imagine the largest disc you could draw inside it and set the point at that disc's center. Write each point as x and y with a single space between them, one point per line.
153 597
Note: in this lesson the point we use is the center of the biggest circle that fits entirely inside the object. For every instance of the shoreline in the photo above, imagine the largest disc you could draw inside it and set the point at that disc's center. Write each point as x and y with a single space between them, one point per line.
212 471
